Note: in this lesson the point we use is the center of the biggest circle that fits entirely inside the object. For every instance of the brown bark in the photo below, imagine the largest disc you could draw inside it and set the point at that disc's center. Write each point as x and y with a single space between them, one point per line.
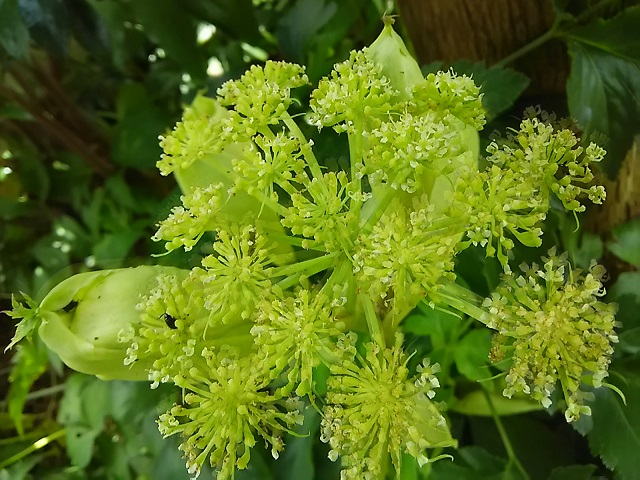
623 201
490 30
487 30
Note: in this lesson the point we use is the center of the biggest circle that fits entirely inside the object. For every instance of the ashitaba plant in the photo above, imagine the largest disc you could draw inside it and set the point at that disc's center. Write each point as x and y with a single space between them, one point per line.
312 269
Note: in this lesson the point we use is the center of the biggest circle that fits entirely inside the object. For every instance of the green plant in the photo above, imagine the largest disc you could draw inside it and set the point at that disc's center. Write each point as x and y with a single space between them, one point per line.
315 264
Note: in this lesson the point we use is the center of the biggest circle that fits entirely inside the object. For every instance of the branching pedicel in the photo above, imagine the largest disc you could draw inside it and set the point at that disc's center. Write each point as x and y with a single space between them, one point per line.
308 262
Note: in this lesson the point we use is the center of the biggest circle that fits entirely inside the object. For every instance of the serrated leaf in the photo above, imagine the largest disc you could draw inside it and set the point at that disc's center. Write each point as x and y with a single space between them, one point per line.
617 36
626 242
29 315
14 35
615 435
500 86
604 96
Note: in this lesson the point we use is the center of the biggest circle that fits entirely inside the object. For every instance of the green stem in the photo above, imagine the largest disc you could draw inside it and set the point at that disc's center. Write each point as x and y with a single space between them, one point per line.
355 156
37 445
308 267
373 323
464 300
513 459
541 40
375 207
309 156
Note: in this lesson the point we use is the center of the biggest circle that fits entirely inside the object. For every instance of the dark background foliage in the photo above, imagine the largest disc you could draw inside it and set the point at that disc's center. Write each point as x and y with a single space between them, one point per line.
86 87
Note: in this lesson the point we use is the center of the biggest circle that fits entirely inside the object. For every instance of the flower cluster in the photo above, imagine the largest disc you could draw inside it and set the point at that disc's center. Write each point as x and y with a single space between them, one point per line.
375 410
308 262
555 329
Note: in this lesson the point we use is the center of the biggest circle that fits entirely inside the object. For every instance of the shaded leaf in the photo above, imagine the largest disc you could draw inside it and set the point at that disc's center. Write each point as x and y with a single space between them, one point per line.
500 86
168 24
297 460
573 472
47 21
237 17
301 23
14 35
88 27
626 293
626 242
471 463
617 36
30 362
475 403
140 122
471 354
615 435
604 96
439 325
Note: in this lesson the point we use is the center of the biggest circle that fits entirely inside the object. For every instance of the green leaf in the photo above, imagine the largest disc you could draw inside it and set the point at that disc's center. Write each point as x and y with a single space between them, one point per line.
500 86
169 25
471 463
114 247
603 93
591 248
89 28
301 23
439 325
626 293
140 122
14 36
475 403
30 362
471 354
617 36
297 460
626 242
28 314
235 17
629 341
615 435
573 472
47 21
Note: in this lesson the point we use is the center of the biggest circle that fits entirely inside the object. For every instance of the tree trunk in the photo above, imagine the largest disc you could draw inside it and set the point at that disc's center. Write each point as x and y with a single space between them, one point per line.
490 30
487 30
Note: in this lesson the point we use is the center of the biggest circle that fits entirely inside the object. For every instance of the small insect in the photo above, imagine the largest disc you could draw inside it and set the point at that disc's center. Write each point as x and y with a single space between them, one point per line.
169 320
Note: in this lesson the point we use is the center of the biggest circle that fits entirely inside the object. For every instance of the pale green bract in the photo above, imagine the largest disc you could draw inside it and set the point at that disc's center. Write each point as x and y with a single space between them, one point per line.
311 266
